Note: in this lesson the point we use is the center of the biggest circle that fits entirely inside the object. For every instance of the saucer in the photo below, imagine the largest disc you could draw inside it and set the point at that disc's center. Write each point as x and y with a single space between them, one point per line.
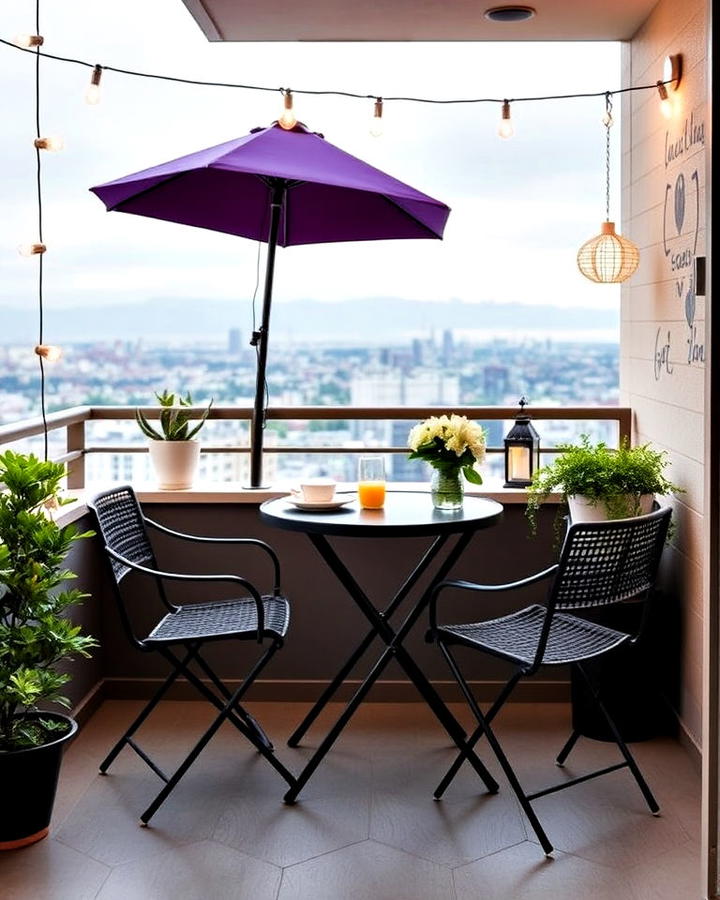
337 503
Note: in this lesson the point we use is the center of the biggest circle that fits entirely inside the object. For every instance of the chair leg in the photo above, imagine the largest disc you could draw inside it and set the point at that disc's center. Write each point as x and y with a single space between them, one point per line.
629 758
565 752
198 748
238 716
475 736
498 751
145 712
247 717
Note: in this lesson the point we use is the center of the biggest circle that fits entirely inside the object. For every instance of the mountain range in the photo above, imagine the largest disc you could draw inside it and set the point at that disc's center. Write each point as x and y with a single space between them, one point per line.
368 320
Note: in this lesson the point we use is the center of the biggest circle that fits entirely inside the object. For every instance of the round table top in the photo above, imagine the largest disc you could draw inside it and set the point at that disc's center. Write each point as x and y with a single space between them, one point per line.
405 514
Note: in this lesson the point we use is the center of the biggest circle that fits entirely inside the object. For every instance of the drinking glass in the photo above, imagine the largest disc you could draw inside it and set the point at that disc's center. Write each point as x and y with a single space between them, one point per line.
371 482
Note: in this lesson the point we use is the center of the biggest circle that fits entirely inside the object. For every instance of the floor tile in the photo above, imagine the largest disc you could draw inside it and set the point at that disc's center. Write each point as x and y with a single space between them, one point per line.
367 871
447 832
49 870
522 872
205 869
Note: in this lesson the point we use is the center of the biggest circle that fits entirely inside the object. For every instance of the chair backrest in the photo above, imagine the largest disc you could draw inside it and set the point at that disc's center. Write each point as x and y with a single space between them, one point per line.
607 562
122 527
120 522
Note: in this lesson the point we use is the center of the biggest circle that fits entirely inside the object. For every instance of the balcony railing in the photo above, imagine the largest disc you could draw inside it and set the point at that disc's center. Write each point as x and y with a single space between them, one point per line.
73 420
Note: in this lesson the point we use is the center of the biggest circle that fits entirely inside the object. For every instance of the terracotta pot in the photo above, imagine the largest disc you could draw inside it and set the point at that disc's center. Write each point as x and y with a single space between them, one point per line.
175 463
28 782
583 509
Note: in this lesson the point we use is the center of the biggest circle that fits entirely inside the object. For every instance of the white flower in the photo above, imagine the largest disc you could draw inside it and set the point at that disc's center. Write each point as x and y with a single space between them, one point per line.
456 433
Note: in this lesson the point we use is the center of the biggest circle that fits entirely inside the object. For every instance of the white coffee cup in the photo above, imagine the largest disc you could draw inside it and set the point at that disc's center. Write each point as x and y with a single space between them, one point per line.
317 490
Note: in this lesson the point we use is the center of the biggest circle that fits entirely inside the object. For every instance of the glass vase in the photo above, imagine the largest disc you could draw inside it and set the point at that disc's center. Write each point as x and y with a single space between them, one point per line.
446 489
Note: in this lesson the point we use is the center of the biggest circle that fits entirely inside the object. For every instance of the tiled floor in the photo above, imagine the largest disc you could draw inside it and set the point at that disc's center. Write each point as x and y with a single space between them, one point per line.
366 826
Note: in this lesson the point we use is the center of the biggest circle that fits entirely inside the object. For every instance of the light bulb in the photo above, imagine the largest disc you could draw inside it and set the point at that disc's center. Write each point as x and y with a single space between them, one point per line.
28 40
53 143
92 94
31 249
49 352
288 120
505 129
665 103
672 70
376 126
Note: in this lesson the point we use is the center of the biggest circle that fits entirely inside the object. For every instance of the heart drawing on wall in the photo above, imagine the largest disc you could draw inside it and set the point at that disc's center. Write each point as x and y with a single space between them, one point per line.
679 202
690 304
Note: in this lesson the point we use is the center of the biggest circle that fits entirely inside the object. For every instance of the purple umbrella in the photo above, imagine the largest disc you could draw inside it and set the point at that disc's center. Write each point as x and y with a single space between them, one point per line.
283 187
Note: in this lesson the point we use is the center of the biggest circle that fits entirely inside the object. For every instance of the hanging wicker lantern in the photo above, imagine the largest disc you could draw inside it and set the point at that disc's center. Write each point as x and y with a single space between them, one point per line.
609 257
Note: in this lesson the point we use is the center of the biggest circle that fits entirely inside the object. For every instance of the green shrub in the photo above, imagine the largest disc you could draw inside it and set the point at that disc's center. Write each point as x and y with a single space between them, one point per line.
616 478
35 635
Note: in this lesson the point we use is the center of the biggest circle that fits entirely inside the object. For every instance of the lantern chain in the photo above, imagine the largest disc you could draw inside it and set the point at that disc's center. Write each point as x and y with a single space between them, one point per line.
608 123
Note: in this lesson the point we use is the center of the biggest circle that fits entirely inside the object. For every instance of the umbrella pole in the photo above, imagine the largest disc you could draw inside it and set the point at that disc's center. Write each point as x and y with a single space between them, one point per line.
260 339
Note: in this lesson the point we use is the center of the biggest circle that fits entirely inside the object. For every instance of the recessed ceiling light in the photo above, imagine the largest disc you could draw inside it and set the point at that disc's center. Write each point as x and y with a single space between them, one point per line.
509 13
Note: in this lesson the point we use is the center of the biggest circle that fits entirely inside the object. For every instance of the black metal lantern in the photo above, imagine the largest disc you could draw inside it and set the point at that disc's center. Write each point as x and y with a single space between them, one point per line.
522 450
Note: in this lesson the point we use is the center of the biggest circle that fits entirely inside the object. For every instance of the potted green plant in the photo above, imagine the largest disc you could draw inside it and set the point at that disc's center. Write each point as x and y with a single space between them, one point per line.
173 450
35 638
598 482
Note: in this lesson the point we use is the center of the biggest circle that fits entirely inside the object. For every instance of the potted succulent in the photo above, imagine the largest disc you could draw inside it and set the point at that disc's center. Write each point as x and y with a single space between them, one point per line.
173 451
598 482
35 637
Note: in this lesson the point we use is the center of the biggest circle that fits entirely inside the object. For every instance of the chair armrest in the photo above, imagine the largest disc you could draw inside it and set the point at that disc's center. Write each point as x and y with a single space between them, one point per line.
178 576
201 539
487 588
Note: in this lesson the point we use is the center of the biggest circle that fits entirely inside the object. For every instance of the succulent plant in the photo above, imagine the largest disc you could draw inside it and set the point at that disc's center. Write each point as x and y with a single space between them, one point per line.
175 419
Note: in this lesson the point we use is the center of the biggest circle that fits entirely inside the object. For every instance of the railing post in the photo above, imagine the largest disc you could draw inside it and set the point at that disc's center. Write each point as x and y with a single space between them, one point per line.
624 426
75 441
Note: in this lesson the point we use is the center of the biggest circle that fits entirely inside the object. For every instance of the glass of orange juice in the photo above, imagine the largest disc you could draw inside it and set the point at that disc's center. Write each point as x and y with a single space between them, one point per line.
371 482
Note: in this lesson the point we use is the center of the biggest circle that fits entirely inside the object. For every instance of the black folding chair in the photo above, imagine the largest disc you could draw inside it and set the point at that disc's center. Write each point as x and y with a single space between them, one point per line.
601 563
183 630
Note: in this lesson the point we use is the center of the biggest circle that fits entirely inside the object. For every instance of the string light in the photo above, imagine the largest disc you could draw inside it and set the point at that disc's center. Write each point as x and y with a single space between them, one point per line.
52 144
505 128
31 249
98 69
376 126
288 119
28 40
92 94
49 352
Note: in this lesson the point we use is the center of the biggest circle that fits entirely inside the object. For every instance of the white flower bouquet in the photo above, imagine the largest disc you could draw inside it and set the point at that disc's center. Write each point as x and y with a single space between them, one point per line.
450 444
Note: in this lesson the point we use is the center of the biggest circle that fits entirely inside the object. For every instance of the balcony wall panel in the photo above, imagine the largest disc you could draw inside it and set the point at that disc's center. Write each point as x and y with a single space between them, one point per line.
664 212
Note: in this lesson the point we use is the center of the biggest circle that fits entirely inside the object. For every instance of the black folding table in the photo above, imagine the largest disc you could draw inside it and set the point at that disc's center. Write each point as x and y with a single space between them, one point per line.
405 514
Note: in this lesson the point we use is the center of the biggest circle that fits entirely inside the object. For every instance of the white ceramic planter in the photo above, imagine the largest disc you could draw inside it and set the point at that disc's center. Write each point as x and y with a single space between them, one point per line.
175 463
584 510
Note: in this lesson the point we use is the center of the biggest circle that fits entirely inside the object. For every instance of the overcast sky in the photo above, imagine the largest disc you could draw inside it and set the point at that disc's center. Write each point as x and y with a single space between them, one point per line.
520 208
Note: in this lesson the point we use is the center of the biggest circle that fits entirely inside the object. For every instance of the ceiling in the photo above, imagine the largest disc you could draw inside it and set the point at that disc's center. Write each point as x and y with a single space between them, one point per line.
414 20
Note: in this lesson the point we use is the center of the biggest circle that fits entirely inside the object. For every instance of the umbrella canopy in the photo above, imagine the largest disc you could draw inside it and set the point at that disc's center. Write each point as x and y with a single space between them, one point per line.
284 187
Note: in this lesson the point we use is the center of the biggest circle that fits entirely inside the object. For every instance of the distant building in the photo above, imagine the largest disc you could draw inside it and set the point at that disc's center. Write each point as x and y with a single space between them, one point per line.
448 347
426 387
495 384
234 341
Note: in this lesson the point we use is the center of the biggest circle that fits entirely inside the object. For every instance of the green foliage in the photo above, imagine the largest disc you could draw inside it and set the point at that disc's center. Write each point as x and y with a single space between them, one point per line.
447 461
174 419
616 478
34 634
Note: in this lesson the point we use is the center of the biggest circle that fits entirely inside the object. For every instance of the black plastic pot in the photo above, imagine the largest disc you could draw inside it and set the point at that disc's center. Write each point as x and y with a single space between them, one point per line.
628 684
28 782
